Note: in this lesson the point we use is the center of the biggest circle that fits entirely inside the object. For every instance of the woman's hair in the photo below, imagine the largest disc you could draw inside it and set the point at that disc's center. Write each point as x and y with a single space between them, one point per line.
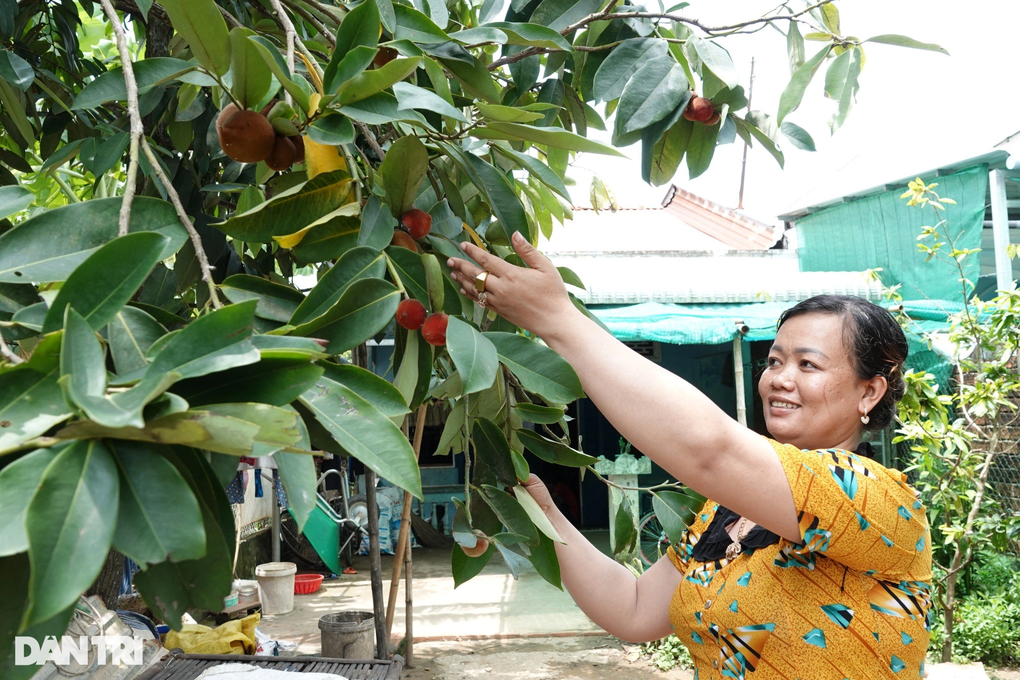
875 341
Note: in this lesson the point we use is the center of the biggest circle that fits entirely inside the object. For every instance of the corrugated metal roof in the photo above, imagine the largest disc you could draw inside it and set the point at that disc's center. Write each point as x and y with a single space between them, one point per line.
724 224
687 277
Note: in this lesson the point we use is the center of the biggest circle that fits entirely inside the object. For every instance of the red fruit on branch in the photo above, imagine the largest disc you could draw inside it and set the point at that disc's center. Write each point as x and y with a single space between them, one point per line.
714 119
417 222
699 109
401 238
411 314
246 136
434 329
478 550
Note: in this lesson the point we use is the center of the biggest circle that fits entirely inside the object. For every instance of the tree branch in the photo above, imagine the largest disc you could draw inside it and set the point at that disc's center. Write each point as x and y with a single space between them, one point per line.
6 353
370 138
310 18
327 10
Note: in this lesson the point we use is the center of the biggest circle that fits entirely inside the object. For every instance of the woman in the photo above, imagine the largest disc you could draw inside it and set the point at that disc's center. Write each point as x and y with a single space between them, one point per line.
810 560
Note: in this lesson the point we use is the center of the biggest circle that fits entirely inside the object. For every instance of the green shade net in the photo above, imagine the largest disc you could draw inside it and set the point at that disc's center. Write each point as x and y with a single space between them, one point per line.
881 232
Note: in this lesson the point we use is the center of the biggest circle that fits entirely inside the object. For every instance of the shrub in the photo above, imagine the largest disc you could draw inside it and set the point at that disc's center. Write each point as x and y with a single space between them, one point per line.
668 653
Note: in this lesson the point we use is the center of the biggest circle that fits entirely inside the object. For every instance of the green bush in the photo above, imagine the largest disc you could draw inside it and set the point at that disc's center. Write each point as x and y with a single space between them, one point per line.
668 653
987 629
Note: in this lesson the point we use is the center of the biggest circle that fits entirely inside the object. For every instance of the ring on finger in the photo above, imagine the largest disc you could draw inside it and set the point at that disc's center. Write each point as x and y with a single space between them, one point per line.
480 280
482 298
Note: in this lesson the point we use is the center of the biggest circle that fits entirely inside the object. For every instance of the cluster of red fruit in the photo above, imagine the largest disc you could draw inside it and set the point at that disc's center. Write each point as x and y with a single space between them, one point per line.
249 136
412 315
416 225
701 110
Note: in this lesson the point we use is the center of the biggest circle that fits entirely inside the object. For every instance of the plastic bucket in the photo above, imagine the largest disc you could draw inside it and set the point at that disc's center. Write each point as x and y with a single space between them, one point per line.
276 586
348 635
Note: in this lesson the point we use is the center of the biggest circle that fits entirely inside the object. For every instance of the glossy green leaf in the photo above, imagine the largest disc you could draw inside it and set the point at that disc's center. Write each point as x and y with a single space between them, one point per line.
149 484
535 512
413 97
793 95
539 369
905 41
675 511
377 225
110 154
274 380
841 83
46 248
14 575
149 73
541 415
510 512
521 468
507 114
200 23
505 203
360 28
130 334
552 137
332 130
474 78
70 523
274 60
473 355
748 126
554 452
328 240
378 391
797 135
14 199
622 63
795 47
284 347
248 71
414 372
101 285
290 210
402 173
16 70
479 34
368 83
624 534
537 169
276 301
493 450
411 271
532 35
380 109
452 438
364 309
543 558
30 397
652 94
18 482
558 14
415 26
717 60
434 278
365 433
297 472
354 265
701 148
465 568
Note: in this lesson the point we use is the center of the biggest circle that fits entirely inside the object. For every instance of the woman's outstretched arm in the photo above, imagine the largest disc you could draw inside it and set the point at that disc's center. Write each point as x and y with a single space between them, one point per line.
664 416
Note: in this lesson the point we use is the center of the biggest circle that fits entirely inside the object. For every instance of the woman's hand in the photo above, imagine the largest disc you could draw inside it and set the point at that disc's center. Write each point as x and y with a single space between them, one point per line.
540 493
533 298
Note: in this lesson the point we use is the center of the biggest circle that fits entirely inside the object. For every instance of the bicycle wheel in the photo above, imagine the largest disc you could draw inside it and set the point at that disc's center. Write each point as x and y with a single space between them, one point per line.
652 540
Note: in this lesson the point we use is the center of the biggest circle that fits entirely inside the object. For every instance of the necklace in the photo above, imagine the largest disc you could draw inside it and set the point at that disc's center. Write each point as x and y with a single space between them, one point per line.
734 548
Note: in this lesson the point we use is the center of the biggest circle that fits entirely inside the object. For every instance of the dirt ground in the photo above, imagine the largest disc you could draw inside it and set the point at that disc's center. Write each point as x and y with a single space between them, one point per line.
563 658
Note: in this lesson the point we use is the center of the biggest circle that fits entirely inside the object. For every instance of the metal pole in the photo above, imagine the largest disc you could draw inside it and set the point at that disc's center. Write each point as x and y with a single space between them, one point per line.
1000 229
743 164
738 373
276 522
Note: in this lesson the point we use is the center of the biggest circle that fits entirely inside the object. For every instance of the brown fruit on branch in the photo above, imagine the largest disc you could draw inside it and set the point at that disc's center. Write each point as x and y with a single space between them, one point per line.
402 239
417 222
384 56
699 110
299 148
247 137
714 119
478 550
228 110
411 314
269 107
282 155
434 329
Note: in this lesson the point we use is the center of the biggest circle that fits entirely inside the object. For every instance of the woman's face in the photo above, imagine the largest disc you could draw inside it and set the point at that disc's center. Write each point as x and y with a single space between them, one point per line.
811 394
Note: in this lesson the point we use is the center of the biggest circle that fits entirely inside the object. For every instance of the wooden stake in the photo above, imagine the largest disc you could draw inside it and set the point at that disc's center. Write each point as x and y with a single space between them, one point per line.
408 608
382 647
404 538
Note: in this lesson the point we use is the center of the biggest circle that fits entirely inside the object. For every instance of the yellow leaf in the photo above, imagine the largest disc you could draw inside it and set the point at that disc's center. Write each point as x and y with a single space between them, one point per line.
313 103
474 236
314 75
320 158
292 240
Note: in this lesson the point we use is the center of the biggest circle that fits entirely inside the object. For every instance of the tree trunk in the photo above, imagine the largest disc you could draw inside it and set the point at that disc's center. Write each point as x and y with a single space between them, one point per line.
107 585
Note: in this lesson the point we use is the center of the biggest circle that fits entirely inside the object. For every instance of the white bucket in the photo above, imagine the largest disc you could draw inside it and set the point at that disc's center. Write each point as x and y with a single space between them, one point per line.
276 586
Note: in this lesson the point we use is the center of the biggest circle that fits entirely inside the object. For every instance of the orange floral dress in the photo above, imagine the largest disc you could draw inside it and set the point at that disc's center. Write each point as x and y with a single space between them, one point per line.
852 600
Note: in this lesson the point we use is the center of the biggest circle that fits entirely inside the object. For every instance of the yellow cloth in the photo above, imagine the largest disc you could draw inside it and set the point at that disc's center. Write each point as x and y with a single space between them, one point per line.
233 637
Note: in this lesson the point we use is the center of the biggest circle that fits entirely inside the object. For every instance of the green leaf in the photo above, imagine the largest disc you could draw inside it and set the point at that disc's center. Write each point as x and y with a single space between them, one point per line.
377 224
521 468
30 397
624 533
717 60
70 523
368 83
504 201
46 248
360 28
402 173
354 265
171 588
541 415
276 301
507 114
14 575
101 285
110 153
413 97
543 558
290 211
558 14
411 271
532 35
537 169
149 484
622 63
797 135
130 334
149 73
297 472
18 482
473 355
675 511
554 452
492 449
364 309
14 199
904 41
274 380
414 26
16 70
332 130
539 369
511 514
414 373
281 347
365 433
793 95
435 279
249 74
651 95
480 34
795 47
465 568
274 60
749 128
830 17
452 437
200 23
328 240
701 148
841 83
380 109
377 391
536 514
550 136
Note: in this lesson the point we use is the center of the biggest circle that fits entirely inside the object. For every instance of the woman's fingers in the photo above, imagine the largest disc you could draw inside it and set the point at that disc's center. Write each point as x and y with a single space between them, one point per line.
489 262
530 254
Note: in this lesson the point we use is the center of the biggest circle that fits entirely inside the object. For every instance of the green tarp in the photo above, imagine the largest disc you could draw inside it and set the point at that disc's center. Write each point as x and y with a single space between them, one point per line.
881 232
